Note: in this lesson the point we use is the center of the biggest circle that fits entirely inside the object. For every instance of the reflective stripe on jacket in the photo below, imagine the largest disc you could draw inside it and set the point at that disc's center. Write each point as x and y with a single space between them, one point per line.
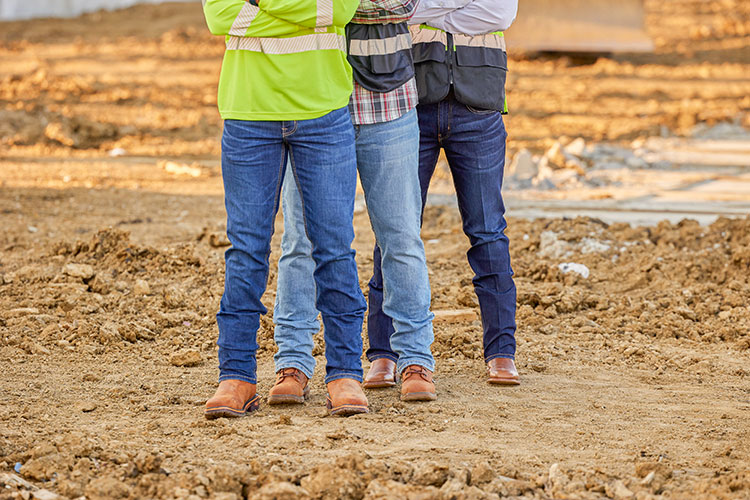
380 55
284 59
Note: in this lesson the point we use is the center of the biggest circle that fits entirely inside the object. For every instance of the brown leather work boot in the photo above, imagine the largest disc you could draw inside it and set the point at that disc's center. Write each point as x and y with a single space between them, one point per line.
502 371
345 397
417 384
291 387
382 373
233 398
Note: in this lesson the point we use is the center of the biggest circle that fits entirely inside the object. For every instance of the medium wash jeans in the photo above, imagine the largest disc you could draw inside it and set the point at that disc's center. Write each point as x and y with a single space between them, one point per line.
474 144
387 160
322 165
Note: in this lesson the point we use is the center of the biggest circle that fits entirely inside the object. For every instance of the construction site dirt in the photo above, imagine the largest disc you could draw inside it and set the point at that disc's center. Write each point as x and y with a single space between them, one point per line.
633 340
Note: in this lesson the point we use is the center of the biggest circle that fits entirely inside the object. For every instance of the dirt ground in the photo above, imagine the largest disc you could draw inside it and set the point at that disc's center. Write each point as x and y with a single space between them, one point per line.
635 380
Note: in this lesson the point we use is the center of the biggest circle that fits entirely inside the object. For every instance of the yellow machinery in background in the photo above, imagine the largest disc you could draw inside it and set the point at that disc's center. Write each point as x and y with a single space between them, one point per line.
580 26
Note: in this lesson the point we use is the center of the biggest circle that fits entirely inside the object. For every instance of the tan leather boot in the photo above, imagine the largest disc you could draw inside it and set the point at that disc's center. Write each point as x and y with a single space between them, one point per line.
233 398
382 373
417 384
346 397
502 371
290 388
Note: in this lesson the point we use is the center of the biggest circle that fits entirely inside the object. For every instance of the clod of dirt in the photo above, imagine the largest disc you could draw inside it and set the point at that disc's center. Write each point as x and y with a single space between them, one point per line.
218 240
430 474
454 316
280 490
87 406
141 287
330 482
82 271
380 489
79 132
148 462
105 488
619 491
186 358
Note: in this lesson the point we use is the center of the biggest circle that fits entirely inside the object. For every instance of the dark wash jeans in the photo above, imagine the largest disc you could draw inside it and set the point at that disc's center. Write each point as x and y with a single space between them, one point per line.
323 160
474 144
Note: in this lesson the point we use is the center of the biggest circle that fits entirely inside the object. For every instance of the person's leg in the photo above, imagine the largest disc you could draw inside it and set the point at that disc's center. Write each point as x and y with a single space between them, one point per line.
388 161
475 150
253 157
323 160
379 325
294 314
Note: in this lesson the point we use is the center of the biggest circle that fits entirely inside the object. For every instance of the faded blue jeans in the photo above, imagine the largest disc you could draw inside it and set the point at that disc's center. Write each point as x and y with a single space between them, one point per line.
474 144
322 163
387 160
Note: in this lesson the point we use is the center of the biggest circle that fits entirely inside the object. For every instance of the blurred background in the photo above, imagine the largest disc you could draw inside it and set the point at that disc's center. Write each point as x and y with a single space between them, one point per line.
612 104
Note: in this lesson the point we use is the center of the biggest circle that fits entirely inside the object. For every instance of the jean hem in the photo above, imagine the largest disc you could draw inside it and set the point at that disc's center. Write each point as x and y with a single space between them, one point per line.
337 376
281 364
487 359
373 357
234 376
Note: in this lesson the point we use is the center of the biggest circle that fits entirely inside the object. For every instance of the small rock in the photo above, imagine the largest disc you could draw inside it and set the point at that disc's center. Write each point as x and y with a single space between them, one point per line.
83 271
619 491
454 316
44 495
573 267
115 152
141 287
32 229
218 240
88 406
523 167
186 358
557 479
21 311
482 473
181 169
576 147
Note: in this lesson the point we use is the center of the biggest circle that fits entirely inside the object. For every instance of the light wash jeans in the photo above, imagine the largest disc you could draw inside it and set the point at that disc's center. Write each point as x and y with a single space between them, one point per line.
388 162
253 159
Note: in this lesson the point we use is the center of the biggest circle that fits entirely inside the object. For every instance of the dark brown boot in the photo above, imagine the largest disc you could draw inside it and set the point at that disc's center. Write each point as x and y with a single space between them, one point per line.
233 398
382 373
417 384
290 388
345 397
502 371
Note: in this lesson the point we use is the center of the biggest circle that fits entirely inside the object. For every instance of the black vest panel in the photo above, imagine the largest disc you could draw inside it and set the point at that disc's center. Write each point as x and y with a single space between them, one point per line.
432 71
476 72
380 70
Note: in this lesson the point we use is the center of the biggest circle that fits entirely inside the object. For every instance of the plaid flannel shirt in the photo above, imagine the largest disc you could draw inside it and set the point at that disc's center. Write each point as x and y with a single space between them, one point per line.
367 107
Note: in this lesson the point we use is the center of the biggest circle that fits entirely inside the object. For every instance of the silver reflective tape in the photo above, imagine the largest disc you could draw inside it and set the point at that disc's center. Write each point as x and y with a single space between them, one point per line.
380 47
325 13
424 35
244 18
292 45
490 41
